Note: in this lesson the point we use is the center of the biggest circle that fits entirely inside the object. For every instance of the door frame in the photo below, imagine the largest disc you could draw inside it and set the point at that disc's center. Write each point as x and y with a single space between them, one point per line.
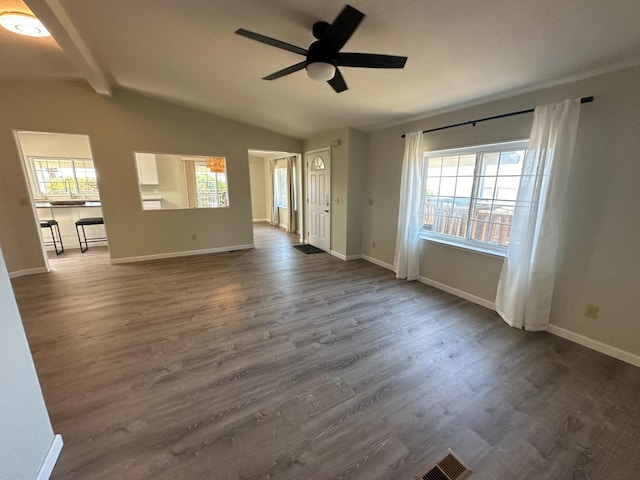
306 192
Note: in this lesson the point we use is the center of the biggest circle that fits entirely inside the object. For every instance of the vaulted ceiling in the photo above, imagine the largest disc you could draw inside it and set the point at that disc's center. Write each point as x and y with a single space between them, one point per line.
460 52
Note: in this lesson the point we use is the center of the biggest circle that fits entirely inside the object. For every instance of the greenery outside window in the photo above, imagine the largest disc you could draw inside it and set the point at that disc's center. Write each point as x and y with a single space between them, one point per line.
211 184
63 177
470 195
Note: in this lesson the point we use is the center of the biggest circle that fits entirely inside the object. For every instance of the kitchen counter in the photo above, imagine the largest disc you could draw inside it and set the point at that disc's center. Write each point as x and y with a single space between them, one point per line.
67 216
87 203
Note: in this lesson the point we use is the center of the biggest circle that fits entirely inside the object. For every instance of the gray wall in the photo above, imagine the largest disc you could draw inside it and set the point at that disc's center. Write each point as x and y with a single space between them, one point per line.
347 185
117 127
357 145
257 169
598 261
25 429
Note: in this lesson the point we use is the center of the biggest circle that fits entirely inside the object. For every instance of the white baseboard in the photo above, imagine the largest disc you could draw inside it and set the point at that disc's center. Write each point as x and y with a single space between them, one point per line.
459 293
595 345
261 220
188 253
345 257
51 458
380 263
28 271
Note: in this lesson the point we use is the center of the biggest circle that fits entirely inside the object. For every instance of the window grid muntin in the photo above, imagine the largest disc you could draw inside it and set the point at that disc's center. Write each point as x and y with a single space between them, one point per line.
216 193
488 225
38 165
282 190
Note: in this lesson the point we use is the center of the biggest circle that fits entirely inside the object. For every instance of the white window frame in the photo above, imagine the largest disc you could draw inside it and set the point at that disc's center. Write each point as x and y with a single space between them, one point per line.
466 242
215 192
77 192
281 171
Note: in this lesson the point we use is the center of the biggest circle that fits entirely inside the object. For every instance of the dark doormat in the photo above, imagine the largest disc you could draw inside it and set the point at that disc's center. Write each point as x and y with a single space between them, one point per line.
308 249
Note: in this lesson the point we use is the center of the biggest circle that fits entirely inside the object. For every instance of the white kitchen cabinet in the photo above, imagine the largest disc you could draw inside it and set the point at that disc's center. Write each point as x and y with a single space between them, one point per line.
147 169
151 204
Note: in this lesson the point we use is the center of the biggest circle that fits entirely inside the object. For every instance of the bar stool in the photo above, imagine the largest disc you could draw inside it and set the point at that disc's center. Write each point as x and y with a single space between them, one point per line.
84 222
50 224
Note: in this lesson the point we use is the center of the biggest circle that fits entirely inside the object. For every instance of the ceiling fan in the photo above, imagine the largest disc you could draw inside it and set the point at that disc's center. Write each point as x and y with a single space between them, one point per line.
324 56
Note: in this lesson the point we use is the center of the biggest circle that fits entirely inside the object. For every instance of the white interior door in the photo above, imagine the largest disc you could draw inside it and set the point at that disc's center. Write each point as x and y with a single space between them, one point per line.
319 198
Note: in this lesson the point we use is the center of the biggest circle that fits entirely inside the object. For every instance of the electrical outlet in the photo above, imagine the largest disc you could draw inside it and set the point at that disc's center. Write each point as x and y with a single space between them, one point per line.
591 311
373 244
194 237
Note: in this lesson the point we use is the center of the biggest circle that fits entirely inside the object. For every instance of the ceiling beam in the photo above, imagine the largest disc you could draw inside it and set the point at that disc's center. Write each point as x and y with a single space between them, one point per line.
53 15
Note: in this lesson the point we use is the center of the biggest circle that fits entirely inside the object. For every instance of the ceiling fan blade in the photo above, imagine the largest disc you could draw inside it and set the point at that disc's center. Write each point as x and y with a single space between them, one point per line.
370 60
340 31
337 82
285 71
271 41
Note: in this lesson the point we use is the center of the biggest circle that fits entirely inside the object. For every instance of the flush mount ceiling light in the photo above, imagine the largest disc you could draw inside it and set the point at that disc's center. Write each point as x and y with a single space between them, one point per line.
321 71
23 24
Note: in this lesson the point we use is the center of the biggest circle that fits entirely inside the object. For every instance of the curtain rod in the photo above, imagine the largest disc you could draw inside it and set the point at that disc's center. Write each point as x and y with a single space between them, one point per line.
473 122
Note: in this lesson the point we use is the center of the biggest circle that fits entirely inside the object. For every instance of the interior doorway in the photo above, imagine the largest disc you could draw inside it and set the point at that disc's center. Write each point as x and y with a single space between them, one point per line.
63 185
319 198
276 186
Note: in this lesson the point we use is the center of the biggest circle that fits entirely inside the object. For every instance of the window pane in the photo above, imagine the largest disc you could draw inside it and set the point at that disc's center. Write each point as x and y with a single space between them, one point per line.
479 231
211 185
282 188
473 201
511 162
450 166
445 206
467 164
507 188
433 186
64 176
464 187
499 234
448 186
434 167
481 211
490 163
502 212
486 187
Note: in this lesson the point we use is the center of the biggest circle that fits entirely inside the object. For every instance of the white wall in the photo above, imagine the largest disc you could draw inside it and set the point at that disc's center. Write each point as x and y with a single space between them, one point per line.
54 145
598 261
25 429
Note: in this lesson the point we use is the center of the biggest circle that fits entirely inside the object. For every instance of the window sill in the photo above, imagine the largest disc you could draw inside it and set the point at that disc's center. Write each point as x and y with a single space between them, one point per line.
464 246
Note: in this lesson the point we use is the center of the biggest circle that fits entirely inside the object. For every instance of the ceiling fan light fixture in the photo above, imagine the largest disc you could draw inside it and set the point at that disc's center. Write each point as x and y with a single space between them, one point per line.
321 71
23 24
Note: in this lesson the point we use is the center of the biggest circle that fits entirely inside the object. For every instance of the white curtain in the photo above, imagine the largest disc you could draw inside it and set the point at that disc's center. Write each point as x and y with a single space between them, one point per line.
272 199
526 283
291 224
406 260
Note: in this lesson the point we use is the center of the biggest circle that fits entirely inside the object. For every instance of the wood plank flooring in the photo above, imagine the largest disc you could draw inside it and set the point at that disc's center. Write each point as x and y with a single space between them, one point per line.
272 364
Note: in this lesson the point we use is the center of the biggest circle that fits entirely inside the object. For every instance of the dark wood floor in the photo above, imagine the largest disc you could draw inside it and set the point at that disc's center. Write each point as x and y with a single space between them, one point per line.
273 364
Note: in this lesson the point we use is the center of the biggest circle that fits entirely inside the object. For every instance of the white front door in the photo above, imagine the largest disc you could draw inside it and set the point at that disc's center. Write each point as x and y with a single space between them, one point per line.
319 198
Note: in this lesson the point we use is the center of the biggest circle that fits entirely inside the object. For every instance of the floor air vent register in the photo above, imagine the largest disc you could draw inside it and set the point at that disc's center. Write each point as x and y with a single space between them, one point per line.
449 467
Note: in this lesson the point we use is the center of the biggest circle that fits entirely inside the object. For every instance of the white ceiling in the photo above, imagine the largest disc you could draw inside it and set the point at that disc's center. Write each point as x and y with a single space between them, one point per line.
460 52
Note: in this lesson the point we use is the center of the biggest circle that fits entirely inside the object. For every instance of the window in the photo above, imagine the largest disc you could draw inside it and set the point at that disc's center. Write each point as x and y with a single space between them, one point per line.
470 195
211 183
63 177
282 191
